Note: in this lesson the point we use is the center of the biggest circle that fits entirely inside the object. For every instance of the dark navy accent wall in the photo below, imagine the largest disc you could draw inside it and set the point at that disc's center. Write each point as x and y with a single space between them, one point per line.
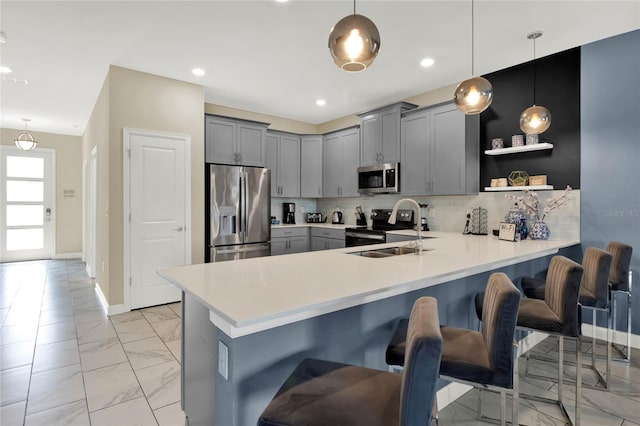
558 89
610 166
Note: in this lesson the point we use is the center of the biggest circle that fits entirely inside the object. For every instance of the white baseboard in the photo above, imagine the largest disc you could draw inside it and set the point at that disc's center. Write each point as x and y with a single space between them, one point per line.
76 255
453 391
619 337
109 309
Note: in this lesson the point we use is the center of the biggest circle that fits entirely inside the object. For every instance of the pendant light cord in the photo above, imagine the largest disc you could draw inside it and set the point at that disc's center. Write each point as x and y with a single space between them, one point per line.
354 7
534 70
472 39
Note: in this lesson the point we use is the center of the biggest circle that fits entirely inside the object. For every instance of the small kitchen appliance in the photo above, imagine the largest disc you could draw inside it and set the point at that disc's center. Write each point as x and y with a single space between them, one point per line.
336 218
315 218
289 213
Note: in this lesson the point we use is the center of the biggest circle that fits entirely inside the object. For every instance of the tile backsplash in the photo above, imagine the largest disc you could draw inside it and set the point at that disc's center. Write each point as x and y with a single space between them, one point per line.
448 213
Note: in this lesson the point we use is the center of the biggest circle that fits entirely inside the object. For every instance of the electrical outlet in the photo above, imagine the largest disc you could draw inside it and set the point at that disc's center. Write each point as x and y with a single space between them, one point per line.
223 360
302 209
102 267
431 212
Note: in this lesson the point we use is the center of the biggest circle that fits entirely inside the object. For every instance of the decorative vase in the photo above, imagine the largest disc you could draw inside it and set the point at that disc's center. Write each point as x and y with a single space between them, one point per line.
539 230
515 215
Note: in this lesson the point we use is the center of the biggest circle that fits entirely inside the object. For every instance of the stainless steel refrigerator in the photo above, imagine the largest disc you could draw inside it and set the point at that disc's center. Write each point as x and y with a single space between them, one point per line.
238 212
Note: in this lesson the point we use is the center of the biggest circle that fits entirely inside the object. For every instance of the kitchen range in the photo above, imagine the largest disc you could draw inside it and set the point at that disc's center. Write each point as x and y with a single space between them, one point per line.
376 233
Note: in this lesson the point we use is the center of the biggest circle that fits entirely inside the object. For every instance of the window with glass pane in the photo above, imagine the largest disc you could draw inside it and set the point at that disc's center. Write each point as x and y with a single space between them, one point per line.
25 215
25 167
25 239
21 190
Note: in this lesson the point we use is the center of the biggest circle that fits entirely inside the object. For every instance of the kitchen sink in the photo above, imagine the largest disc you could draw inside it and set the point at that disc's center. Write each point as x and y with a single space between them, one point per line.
386 252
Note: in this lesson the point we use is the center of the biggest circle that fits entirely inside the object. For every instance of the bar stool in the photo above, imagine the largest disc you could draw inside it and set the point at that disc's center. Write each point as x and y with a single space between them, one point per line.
620 283
557 315
594 295
329 393
486 359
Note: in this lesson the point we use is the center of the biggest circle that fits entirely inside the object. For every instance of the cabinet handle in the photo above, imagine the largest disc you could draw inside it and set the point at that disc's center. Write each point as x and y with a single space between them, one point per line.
319 191
240 155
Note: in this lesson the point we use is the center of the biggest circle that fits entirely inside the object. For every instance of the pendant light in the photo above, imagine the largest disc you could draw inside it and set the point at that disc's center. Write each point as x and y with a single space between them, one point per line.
535 119
25 140
474 94
354 42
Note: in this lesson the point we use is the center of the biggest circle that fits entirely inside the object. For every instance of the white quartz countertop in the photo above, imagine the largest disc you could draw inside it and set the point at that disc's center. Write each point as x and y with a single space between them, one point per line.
252 295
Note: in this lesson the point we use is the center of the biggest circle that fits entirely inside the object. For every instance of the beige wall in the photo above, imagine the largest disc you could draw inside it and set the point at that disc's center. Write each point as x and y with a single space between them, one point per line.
68 177
276 123
423 99
97 134
143 101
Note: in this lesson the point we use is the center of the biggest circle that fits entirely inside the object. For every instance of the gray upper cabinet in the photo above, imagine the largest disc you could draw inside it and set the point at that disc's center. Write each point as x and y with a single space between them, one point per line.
439 152
282 156
380 134
230 141
340 163
311 166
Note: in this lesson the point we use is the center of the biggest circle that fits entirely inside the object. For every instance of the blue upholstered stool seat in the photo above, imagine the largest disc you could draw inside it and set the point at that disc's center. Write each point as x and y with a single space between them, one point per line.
329 393
325 393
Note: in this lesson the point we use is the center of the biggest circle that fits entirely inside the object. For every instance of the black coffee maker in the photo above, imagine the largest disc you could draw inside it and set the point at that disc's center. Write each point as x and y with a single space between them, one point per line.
289 213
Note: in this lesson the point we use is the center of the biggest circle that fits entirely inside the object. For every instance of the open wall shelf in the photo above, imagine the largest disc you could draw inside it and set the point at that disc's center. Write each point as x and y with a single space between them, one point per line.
519 188
515 149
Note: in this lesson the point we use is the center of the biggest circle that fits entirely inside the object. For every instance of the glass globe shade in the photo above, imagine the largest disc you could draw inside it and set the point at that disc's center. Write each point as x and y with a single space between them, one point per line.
25 141
354 43
535 120
473 95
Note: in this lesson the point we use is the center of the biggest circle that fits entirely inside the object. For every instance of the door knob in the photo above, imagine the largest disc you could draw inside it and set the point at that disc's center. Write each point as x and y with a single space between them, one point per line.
179 228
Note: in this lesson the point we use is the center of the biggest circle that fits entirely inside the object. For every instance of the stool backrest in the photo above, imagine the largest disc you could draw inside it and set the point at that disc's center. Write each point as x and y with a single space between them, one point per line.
421 363
499 318
595 279
619 275
561 292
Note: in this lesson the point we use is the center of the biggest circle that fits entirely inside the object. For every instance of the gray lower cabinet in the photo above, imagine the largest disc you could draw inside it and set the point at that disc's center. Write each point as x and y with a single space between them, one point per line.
326 239
289 240
340 161
439 152
230 141
311 166
282 156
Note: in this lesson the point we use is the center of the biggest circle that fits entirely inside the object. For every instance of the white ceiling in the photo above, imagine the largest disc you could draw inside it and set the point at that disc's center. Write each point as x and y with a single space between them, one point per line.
271 57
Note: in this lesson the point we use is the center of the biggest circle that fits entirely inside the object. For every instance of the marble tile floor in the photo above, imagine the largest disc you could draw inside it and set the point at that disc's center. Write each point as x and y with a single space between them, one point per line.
64 362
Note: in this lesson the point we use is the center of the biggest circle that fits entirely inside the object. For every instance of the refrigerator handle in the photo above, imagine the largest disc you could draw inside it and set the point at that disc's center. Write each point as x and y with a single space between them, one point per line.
243 205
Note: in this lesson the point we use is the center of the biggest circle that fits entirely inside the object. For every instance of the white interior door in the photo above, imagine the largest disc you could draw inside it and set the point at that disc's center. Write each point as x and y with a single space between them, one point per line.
27 210
159 203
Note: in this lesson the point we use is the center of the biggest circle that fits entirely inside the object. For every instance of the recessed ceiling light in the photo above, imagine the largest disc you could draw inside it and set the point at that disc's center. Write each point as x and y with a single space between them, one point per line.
321 102
198 71
282 1
5 70
427 62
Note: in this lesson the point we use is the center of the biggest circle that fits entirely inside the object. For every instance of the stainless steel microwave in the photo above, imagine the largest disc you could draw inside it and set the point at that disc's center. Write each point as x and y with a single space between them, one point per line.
379 179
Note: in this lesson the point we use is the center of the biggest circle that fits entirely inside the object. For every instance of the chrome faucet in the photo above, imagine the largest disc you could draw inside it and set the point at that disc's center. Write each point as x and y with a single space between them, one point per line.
416 206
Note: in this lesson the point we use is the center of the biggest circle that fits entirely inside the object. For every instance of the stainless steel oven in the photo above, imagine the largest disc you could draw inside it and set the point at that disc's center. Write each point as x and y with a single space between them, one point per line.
376 234
363 237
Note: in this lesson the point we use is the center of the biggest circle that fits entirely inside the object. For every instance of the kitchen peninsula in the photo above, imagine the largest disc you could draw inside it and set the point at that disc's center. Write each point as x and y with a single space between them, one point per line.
247 323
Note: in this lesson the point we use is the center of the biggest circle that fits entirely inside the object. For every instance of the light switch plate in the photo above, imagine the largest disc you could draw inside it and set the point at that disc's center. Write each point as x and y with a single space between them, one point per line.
223 360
